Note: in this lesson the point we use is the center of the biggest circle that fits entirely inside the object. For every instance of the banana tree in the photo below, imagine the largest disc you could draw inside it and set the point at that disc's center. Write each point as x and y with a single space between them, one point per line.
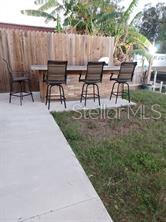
96 17
87 16
81 15
127 37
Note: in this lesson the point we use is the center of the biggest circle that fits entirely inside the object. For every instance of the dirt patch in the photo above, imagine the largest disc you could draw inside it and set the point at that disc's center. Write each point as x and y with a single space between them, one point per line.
110 126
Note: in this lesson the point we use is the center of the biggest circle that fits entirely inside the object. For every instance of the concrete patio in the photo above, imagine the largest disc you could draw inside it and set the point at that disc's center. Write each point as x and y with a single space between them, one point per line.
41 179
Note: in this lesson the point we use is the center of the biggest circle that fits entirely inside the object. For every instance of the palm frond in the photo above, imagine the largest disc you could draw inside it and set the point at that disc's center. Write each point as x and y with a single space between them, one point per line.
139 38
54 13
49 4
129 10
38 13
39 2
136 17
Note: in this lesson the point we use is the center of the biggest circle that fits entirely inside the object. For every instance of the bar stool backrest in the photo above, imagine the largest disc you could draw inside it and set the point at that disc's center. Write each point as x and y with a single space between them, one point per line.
94 71
57 71
8 68
127 70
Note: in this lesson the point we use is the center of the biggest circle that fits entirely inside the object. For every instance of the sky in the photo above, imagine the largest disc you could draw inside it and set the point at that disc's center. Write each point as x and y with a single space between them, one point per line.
10 11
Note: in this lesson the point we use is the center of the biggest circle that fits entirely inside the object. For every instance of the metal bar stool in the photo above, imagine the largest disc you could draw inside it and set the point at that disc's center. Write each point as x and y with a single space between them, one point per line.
23 82
56 76
124 76
93 76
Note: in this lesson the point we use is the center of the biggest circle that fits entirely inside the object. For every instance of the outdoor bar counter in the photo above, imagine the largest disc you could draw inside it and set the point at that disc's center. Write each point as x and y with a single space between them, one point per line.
73 86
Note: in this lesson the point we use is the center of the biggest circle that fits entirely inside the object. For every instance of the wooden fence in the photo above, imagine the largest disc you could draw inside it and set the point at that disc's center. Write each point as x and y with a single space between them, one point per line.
23 48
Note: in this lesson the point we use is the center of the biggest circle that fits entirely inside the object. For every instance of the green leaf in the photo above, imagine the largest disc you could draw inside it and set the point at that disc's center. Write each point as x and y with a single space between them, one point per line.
129 10
105 17
49 4
38 13
139 38
136 18
39 2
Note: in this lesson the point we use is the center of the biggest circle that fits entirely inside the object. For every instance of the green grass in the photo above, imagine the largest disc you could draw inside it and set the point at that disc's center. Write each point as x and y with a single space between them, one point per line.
125 158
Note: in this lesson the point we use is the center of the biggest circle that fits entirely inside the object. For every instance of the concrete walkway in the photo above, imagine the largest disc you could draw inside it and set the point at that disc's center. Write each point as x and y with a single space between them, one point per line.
40 178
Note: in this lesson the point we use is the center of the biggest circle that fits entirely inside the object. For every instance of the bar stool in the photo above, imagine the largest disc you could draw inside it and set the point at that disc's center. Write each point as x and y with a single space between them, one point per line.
22 80
125 75
56 76
93 76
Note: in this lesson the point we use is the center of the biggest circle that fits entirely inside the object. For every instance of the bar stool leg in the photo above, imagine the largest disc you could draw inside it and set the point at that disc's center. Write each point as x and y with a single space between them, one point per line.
94 92
11 89
82 93
128 92
123 92
86 93
60 94
21 97
49 97
112 91
64 98
98 94
46 95
29 86
117 93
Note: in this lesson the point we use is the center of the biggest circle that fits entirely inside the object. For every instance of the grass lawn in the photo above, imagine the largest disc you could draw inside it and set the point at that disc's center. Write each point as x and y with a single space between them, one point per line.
123 153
